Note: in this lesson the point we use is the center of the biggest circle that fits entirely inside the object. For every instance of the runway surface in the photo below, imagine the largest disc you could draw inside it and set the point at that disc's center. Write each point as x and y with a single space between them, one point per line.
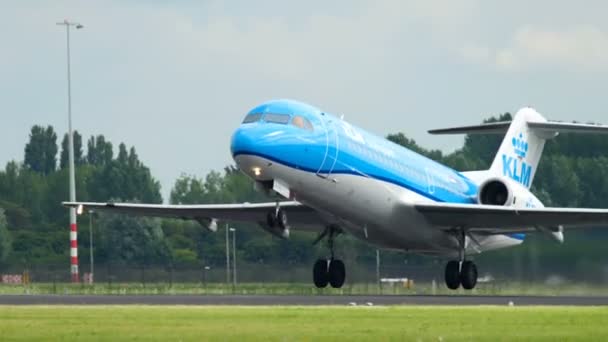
253 300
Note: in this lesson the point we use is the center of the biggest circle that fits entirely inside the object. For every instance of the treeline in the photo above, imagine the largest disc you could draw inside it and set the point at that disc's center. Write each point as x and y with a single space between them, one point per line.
33 225
31 191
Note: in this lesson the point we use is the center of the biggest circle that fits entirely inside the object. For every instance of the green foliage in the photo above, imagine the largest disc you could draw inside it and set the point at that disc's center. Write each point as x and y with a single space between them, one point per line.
78 155
99 151
131 240
41 150
5 238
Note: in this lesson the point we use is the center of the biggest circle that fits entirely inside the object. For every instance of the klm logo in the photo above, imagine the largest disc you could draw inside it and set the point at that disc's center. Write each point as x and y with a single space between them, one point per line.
516 167
520 145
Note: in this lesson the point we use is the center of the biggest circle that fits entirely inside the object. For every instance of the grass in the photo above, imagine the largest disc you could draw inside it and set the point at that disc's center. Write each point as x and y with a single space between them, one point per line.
409 323
511 288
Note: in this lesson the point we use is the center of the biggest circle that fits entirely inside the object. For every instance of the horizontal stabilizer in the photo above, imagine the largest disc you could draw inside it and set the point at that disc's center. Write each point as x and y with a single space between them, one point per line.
566 127
501 127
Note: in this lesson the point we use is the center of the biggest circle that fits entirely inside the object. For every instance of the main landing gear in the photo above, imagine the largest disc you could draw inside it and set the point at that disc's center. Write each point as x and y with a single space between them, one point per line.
462 272
329 271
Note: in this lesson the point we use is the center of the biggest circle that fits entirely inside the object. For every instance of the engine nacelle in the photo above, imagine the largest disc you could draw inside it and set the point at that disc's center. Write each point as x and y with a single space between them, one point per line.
496 191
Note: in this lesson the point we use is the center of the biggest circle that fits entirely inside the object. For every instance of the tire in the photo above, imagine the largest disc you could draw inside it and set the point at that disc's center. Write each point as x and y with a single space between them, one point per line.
452 275
337 273
320 276
282 219
271 219
468 275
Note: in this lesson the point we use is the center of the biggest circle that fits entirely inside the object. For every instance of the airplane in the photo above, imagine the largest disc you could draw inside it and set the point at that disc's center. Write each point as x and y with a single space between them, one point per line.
337 178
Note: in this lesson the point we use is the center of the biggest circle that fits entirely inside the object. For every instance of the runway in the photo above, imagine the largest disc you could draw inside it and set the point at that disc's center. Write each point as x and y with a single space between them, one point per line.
258 300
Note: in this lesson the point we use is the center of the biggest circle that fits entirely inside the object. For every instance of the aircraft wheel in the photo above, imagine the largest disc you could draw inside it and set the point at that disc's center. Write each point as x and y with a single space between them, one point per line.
320 275
468 275
282 219
271 219
452 275
337 273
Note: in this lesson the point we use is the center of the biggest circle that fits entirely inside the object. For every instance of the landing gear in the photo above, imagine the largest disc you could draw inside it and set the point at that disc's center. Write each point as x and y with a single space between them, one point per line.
463 272
329 271
277 218
320 274
468 275
452 275
337 273
332 272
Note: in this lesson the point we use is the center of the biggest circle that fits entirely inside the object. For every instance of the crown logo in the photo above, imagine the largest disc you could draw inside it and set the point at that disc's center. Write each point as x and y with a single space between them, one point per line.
520 145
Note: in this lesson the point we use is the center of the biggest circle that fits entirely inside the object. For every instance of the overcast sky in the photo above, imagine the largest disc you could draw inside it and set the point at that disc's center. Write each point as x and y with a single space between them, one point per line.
174 79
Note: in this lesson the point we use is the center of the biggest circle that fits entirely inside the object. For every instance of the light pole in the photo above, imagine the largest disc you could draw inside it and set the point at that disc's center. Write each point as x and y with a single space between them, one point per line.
205 269
91 212
378 270
233 230
73 228
227 256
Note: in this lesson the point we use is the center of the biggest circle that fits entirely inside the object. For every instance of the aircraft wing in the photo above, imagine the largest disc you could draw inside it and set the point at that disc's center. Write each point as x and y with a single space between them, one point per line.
503 220
300 217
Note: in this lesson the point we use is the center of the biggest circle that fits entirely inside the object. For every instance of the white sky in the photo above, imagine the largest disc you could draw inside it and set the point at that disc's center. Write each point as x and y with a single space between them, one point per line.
174 79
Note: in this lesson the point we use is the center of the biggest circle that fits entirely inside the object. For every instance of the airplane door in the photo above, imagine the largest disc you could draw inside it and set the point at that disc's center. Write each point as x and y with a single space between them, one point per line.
330 158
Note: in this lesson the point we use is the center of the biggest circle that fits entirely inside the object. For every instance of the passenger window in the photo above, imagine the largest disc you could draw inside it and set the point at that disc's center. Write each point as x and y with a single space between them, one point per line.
252 118
276 118
302 122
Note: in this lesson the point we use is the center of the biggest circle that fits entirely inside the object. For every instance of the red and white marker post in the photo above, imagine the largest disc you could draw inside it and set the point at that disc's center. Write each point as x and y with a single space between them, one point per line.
73 246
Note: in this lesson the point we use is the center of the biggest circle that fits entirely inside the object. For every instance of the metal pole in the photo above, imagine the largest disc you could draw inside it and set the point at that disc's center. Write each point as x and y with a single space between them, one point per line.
234 256
378 268
72 180
91 244
227 256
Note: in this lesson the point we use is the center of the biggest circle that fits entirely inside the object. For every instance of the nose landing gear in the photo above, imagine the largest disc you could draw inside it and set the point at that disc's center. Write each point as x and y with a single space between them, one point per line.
277 222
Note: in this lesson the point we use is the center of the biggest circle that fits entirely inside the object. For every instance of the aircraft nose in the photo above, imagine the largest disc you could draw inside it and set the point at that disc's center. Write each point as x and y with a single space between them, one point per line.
243 141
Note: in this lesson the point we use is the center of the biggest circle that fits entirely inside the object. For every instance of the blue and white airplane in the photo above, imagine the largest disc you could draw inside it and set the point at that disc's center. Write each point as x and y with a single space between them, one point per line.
338 178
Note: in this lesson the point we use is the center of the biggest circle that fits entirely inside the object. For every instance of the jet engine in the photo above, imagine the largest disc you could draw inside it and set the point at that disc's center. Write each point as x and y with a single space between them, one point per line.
495 191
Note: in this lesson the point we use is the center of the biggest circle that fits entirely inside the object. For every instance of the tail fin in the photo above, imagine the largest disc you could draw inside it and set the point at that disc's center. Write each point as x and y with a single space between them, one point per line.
521 149
525 137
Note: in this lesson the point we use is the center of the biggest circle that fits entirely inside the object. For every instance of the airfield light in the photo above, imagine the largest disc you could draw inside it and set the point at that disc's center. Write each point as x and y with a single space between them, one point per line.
80 209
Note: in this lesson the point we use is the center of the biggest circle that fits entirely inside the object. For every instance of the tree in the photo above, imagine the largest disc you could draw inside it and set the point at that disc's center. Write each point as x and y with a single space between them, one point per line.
401 139
125 177
78 155
483 147
132 240
99 151
41 150
5 237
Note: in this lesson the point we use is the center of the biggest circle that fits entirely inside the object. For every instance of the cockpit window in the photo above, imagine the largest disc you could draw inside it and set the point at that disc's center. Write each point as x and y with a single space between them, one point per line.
252 118
302 122
276 118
